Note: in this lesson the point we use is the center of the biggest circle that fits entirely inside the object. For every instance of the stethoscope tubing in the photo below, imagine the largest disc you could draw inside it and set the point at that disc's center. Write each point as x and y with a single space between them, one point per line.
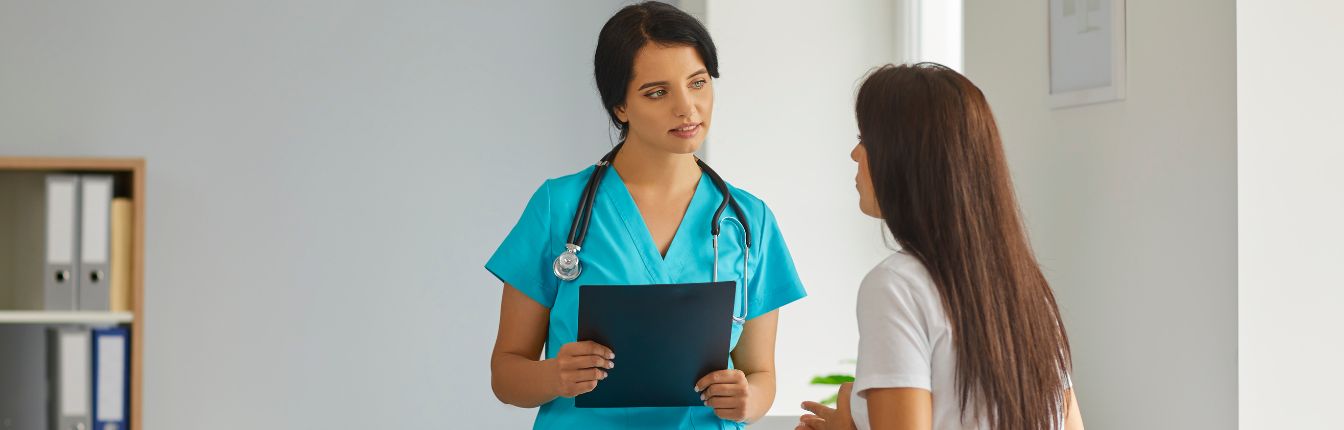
568 266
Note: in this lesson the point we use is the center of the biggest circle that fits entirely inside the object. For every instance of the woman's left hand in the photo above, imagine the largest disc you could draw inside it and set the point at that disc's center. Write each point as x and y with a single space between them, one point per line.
824 418
727 392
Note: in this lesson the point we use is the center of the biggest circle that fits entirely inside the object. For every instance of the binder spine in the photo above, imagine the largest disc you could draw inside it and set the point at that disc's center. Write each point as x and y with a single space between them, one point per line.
68 374
61 274
94 237
111 373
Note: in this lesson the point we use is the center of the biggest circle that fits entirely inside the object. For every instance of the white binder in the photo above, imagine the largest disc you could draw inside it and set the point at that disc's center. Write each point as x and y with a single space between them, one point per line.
61 285
95 238
68 373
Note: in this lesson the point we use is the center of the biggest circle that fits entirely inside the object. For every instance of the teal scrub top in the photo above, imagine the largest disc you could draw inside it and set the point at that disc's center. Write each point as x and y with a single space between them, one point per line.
620 251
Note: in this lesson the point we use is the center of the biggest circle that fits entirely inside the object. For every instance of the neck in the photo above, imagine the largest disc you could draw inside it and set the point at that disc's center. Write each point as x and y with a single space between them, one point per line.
648 169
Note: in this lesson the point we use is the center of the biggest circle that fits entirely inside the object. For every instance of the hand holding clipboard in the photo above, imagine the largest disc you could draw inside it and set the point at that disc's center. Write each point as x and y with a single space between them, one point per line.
581 365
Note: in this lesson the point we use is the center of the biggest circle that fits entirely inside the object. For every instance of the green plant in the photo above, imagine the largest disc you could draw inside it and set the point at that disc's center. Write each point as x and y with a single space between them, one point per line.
832 379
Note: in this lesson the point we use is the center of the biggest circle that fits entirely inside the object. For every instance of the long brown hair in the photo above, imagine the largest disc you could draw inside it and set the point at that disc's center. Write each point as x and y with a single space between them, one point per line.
943 187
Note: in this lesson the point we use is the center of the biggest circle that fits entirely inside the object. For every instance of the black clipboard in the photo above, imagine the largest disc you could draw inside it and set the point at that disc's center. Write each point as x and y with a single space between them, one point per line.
665 337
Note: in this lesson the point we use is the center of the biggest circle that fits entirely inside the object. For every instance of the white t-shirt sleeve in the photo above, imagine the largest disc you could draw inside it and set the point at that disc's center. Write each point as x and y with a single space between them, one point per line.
894 346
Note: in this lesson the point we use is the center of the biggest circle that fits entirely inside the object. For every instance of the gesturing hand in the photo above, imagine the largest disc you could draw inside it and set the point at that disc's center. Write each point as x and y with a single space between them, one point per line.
824 418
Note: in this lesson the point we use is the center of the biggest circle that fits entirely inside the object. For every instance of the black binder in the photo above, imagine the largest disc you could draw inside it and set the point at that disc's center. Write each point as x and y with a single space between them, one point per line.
665 337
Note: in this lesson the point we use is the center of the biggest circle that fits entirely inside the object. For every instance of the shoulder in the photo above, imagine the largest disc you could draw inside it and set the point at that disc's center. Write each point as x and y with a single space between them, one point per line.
560 194
752 205
572 183
900 277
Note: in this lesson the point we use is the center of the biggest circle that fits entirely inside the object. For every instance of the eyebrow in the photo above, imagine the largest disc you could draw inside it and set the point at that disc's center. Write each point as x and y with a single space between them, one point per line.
654 84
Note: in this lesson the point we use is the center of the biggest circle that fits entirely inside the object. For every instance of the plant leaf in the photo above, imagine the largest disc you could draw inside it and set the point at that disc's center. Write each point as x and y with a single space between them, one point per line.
833 379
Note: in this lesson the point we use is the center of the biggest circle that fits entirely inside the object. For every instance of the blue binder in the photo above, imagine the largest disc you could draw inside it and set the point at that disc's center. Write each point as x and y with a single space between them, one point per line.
111 378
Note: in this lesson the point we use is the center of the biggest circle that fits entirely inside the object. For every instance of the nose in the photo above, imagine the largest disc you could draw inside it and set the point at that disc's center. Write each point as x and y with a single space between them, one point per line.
684 106
854 153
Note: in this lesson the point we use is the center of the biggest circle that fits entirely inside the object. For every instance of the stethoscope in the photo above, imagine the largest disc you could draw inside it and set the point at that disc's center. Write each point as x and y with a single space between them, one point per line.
567 266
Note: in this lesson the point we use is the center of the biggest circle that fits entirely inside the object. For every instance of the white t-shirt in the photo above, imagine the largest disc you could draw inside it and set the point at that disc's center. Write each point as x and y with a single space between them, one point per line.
905 341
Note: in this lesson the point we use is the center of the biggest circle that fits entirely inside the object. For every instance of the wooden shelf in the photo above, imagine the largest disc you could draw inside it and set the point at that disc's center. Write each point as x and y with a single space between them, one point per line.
65 317
90 164
132 169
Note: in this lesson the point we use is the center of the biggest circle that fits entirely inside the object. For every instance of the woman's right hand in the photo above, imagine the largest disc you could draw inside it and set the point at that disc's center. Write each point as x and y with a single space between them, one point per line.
579 366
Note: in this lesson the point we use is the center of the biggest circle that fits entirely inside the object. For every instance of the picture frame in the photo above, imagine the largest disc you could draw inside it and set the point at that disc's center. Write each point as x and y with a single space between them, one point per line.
1086 52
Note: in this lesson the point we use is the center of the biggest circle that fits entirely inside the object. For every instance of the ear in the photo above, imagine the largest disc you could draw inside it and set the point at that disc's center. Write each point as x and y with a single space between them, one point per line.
620 114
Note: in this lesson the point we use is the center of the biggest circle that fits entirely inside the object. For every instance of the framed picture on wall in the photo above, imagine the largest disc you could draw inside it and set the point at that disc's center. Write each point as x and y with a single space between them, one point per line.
1087 52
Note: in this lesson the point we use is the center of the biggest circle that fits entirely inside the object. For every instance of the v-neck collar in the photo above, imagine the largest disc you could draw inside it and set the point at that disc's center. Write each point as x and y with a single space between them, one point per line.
661 268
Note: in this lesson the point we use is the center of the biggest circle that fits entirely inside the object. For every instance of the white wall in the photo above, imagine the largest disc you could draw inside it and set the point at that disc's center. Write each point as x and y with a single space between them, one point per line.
1290 208
1132 205
326 179
927 30
783 129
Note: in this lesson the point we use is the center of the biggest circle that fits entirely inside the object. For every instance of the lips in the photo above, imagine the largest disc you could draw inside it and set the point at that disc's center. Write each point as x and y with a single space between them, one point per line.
686 131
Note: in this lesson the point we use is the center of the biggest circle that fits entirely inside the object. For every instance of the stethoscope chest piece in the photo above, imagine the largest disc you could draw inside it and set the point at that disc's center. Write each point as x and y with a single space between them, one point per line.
567 266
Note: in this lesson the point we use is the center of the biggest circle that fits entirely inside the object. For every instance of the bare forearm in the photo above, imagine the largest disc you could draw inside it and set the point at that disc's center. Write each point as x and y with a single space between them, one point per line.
1074 416
520 381
762 386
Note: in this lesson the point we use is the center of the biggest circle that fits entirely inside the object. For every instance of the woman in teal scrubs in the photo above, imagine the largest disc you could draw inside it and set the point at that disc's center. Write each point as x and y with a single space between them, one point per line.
650 223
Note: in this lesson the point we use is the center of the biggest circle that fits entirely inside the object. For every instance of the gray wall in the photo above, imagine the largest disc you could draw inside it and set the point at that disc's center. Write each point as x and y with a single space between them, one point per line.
1132 205
326 179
